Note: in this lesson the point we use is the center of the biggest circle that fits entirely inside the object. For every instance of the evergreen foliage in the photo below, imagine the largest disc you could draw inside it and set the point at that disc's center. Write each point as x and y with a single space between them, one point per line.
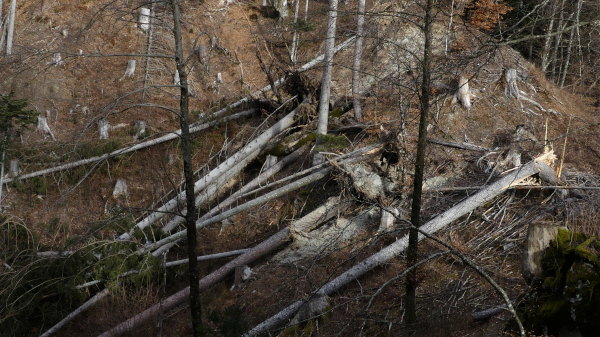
14 113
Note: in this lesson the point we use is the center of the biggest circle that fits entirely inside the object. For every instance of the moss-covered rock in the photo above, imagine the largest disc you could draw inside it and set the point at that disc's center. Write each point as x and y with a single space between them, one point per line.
567 297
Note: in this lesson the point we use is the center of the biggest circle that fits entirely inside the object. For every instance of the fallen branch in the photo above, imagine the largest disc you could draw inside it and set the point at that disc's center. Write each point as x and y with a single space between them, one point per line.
306 223
487 313
171 264
516 187
400 245
463 146
130 149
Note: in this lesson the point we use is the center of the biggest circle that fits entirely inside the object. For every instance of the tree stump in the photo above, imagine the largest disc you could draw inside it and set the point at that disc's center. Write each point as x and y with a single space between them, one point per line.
144 19
43 127
130 71
103 127
538 239
14 168
120 190
139 129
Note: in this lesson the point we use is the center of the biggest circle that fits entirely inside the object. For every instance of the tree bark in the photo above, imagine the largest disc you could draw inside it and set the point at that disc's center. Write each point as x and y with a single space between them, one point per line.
294 49
393 250
12 16
306 223
415 216
360 23
326 81
188 172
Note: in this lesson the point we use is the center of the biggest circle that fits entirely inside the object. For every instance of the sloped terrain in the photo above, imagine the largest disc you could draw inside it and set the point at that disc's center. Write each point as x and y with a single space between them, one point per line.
73 210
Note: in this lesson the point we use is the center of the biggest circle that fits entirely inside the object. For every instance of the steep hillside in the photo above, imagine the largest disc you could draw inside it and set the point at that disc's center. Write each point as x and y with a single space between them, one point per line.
71 236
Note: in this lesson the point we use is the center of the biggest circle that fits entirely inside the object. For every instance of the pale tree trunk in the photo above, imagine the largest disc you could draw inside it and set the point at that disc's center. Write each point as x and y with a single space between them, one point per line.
188 172
360 23
306 223
415 217
264 176
208 179
212 191
149 46
2 161
306 11
326 81
294 49
560 27
12 16
390 252
548 40
570 47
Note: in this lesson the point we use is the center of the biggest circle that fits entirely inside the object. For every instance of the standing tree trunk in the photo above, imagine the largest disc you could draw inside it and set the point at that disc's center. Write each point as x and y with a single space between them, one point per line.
188 172
570 47
360 23
326 81
306 11
560 28
411 256
548 40
12 15
294 49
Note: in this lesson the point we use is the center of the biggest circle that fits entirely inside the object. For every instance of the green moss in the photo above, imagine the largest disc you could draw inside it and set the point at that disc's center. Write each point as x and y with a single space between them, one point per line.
336 113
327 143
289 145
568 293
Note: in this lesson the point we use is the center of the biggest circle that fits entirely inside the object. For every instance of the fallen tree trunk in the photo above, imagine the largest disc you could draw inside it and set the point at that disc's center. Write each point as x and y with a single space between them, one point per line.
264 176
212 191
248 205
165 243
462 146
306 223
400 245
164 246
130 149
487 313
89 303
257 144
